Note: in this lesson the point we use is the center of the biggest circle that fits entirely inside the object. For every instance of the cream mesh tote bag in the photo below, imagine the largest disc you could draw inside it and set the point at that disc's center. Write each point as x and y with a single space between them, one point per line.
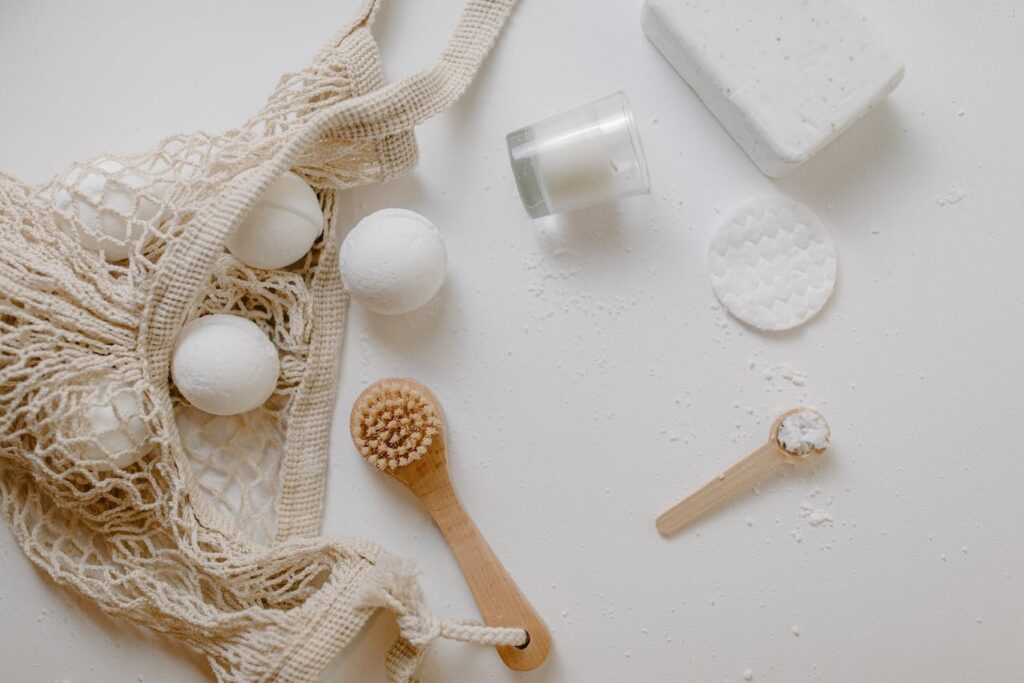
213 536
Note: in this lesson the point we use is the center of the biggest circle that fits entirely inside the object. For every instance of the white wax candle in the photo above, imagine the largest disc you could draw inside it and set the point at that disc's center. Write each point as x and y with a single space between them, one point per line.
583 157
575 167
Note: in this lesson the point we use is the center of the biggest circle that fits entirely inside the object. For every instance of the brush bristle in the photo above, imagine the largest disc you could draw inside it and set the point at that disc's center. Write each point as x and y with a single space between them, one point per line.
395 424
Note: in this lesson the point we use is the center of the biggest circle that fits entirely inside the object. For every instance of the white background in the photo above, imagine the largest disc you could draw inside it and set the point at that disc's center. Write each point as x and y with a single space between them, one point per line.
589 378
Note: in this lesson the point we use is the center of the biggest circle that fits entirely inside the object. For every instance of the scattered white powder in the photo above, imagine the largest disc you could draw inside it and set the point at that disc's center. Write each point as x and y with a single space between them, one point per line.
819 517
815 517
786 373
954 196
803 432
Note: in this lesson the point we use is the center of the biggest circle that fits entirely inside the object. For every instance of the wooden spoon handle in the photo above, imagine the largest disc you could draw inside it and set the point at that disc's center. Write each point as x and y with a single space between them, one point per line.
740 476
500 601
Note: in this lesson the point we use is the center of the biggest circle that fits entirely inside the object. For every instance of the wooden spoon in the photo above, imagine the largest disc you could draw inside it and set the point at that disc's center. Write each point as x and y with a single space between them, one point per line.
398 425
739 477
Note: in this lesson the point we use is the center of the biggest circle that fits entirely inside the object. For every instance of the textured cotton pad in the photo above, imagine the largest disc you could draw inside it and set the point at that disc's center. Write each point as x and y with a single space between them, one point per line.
773 264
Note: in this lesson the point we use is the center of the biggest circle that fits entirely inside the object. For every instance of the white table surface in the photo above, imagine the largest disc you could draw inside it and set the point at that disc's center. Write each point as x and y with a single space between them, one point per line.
589 377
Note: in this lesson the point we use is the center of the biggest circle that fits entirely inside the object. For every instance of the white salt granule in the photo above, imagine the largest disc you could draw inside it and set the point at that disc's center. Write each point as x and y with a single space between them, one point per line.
804 431
819 517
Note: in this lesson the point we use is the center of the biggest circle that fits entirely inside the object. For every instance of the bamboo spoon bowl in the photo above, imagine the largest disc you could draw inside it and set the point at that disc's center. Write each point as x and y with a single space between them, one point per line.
424 471
740 476
792 458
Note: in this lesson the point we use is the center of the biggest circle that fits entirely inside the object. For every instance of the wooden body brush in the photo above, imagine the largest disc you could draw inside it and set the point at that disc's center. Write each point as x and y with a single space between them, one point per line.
398 426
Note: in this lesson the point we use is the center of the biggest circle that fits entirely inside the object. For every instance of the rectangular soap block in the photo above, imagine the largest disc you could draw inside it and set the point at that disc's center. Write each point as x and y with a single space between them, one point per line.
783 77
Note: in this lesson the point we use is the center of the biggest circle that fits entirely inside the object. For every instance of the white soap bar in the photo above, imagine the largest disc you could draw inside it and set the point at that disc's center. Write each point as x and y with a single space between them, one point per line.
784 77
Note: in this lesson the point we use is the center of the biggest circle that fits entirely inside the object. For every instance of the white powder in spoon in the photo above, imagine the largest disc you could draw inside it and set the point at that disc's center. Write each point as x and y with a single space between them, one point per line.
804 431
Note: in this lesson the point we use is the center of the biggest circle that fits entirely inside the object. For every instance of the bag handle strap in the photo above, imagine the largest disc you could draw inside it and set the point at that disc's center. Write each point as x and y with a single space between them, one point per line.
402 105
389 110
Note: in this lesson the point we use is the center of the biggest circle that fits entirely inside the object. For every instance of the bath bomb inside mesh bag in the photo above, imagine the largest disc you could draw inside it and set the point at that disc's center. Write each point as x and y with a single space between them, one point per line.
393 261
106 207
281 228
783 77
773 264
224 364
111 429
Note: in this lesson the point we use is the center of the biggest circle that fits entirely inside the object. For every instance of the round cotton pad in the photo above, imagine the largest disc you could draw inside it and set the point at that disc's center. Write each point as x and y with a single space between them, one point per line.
773 264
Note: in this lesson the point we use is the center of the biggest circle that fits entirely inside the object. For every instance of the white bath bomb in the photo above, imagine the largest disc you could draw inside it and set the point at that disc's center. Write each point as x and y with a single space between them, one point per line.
112 430
106 207
224 364
393 261
281 228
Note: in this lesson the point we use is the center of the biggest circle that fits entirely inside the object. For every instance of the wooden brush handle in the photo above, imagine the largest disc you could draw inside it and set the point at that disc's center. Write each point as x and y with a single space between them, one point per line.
740 476
500 601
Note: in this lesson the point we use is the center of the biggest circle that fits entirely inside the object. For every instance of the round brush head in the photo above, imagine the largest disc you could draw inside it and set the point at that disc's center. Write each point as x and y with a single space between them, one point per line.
394 422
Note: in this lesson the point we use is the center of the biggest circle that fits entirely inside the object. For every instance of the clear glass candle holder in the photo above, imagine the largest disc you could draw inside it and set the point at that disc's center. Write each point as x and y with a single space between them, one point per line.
583 157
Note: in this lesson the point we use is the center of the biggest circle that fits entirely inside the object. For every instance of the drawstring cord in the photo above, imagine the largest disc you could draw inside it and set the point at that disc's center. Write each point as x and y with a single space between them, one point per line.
394 587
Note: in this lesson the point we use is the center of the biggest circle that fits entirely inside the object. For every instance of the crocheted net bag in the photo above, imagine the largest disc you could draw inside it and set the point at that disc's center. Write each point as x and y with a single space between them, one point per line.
213 536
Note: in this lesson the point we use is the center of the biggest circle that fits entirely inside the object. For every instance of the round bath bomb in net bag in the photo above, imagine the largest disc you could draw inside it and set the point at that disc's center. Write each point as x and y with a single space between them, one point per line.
773 264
